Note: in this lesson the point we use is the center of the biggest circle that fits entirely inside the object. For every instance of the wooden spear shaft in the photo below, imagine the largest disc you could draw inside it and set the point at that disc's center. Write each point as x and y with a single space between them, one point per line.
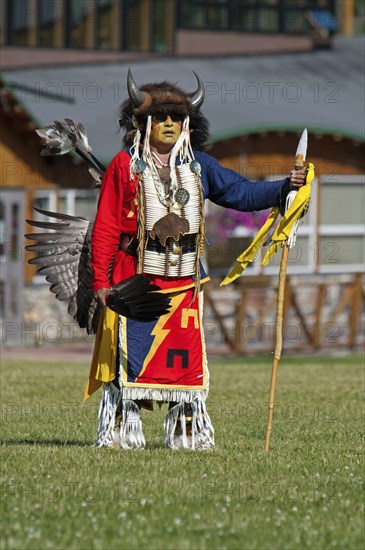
278 340
299 164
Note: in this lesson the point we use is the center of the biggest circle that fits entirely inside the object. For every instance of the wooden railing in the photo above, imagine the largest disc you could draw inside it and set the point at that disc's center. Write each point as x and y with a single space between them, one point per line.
319 312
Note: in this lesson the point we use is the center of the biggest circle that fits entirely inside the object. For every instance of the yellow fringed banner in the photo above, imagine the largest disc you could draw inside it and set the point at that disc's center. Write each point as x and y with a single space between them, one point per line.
280 234
104 361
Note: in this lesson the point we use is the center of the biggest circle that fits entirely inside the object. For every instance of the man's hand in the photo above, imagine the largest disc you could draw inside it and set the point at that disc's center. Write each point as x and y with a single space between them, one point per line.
102 295
297 179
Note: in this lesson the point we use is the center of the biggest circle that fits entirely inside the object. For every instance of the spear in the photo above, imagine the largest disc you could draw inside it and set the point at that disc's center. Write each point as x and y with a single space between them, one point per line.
300 157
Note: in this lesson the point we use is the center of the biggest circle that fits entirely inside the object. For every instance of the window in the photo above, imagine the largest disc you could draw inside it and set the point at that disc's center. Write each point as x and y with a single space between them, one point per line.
249 15
132 25
48 15
255 19
45 200
202 14
106 13
2 232
74 202
341 233
18 22
14 231
78 16
159 26
11 253
77 202
2 300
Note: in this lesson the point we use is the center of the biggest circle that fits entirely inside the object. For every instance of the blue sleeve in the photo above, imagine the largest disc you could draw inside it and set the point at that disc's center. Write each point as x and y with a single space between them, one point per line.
231 190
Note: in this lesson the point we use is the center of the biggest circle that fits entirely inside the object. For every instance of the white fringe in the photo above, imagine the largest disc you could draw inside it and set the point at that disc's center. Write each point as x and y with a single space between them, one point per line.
180 148
107 409
134 152
146 144
292 239
202 431
131 433
155 394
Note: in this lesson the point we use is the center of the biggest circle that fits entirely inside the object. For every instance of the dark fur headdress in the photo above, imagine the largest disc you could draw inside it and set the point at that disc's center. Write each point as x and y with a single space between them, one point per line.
160 98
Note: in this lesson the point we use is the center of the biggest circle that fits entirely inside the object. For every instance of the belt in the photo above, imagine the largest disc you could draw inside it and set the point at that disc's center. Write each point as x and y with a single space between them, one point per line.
187 243
129 244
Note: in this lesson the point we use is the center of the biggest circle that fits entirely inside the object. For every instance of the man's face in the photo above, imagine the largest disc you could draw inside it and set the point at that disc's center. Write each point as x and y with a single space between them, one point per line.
165 130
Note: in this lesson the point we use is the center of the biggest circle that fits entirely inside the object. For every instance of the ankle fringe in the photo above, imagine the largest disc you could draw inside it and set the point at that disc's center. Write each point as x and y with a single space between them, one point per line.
202 431
130 432
107 409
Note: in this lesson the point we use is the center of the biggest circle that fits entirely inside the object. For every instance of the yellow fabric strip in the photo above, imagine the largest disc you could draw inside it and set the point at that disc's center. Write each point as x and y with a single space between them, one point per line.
295 210
174 289
103 363
250 253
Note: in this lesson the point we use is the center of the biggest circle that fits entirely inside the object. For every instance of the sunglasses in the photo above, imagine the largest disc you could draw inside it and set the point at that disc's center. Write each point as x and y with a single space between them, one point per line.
163 117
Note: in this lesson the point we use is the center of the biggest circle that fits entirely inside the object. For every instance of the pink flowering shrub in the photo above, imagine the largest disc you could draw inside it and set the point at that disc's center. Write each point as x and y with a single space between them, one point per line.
221 224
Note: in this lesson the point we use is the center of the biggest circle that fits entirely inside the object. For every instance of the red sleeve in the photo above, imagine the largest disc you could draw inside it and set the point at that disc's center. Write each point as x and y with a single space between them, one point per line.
107 226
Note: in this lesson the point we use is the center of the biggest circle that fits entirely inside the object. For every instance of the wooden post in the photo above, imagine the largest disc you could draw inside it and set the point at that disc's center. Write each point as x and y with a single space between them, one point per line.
116 39
355 308
90 25
240 313
59 26
347 17
231 343
321 293
32 23
308 333
145 18
170 25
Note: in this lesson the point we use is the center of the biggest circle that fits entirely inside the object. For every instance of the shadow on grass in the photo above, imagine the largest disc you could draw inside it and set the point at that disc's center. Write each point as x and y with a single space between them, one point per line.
45 443
65 443
150 446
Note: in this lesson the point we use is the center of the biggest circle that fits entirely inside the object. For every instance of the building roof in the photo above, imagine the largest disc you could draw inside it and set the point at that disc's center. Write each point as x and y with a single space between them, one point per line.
321 90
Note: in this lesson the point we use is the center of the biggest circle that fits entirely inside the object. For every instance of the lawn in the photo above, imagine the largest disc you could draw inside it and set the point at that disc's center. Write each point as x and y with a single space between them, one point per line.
57 491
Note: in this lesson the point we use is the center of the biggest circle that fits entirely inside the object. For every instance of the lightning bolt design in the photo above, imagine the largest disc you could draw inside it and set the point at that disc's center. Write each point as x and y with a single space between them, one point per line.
159 332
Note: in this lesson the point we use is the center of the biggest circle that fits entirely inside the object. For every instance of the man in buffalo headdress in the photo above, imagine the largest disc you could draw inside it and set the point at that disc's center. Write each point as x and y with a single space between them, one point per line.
150 220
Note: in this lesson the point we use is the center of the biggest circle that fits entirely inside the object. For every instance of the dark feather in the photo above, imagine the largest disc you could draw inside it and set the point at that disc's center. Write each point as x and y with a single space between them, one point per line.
47 248
58 271
53 259
51 238
97 176
63 258
60 216
50 225
137 298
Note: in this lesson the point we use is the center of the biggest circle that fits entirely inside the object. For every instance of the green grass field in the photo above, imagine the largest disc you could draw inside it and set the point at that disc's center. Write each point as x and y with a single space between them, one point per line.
57 491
